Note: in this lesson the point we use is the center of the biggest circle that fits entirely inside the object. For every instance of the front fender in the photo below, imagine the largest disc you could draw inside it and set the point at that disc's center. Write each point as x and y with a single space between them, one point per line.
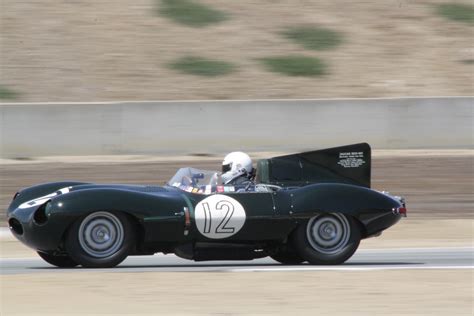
160 214
62 210
37 191
138 204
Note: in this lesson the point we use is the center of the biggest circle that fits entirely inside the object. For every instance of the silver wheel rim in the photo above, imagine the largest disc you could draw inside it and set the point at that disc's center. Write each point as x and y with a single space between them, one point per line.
328 233
101 234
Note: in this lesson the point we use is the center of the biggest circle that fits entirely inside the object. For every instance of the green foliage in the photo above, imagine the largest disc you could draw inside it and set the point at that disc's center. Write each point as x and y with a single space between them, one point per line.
200 66
457 12
295 65
191 13
6 93
314 38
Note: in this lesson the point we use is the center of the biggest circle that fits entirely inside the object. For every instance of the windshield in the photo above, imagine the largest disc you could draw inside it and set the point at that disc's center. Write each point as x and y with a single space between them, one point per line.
190 178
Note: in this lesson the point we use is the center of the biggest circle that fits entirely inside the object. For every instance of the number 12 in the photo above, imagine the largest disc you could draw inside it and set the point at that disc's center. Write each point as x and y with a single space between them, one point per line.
222 227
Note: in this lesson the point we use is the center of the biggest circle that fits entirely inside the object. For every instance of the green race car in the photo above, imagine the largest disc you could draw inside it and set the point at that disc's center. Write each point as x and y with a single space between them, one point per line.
312 206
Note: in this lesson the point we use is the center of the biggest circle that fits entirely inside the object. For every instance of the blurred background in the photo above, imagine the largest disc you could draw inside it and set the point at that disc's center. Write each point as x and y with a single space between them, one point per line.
105 91
82 50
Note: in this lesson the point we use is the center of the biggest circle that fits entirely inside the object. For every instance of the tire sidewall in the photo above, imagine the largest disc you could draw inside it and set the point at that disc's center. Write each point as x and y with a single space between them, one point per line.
77 253
313 256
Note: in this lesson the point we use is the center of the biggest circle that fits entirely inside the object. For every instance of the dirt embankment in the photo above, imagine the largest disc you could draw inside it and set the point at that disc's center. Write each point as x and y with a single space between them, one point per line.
116 50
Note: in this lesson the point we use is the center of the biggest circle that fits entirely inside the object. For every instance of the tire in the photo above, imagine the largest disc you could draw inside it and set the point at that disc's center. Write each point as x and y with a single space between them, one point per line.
286 256
330 238
58 261
100 239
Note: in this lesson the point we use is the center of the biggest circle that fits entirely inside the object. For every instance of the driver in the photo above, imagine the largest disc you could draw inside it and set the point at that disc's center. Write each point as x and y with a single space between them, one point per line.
237 169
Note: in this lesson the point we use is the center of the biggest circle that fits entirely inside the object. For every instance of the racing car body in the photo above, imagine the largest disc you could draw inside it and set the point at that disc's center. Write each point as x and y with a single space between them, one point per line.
313 206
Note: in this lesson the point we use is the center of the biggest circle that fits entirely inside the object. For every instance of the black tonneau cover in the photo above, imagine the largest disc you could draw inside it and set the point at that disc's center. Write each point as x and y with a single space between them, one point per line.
349 164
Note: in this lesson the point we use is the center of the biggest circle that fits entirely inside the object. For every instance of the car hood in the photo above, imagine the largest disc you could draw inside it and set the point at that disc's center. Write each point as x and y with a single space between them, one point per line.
37 195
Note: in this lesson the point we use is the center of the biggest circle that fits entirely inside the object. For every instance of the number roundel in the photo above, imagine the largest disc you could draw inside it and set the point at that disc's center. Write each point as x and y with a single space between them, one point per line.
219 216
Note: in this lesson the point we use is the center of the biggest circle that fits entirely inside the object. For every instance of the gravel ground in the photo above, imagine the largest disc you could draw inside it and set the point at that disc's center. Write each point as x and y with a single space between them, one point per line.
419 292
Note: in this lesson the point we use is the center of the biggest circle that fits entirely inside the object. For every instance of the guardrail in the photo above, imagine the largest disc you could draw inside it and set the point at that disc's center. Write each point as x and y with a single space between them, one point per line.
183 127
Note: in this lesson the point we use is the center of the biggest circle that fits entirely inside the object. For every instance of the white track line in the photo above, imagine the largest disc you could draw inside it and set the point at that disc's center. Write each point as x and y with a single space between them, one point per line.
229 101
416 249
343 268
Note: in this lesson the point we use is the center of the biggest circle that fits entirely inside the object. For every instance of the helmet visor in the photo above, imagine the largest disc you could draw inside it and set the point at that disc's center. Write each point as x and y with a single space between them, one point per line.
226 168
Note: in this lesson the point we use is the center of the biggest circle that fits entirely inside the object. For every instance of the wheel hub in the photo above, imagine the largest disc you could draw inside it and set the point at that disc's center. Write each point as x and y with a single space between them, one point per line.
101 234
328 233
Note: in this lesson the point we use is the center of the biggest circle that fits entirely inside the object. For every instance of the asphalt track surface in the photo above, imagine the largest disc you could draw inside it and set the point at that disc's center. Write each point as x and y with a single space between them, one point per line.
363 260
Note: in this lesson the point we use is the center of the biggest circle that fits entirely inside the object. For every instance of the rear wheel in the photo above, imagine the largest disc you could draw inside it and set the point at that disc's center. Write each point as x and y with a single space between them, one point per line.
58 261
100 239
327 239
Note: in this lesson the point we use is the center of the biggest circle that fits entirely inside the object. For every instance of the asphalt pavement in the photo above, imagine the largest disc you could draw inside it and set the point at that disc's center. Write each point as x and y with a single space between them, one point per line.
363 260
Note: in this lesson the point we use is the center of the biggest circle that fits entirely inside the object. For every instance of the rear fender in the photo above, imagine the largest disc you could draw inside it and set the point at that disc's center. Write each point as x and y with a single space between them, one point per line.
374 210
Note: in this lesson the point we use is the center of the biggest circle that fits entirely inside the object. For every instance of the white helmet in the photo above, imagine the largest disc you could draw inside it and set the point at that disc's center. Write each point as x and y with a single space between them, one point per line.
234 165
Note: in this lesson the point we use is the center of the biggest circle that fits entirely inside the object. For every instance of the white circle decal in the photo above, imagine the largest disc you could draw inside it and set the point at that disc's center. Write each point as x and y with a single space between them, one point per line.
219 216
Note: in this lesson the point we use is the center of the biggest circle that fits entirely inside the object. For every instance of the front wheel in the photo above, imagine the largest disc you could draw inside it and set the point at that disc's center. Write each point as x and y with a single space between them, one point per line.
100 240
327 239
58 261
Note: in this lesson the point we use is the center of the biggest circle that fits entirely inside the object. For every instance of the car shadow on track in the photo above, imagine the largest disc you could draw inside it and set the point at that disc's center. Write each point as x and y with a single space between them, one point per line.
178 267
